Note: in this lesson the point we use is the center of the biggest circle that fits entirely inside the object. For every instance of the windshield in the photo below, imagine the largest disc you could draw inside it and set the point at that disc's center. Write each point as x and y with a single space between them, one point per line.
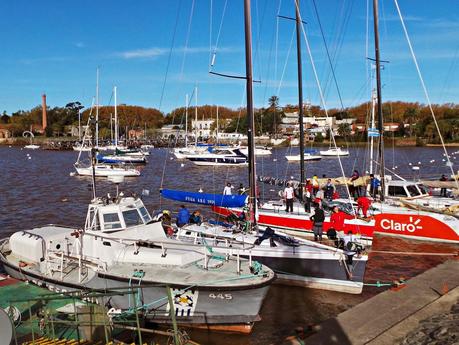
423 189
132 218
413 190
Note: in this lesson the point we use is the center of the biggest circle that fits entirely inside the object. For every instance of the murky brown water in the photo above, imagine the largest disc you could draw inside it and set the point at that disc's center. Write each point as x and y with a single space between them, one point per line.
40 191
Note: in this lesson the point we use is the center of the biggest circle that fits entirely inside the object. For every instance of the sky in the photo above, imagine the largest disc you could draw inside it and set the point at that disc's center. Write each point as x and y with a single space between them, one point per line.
157 51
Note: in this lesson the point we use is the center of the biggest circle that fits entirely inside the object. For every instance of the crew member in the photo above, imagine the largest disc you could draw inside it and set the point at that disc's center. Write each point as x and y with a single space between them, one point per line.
183 216
289 194
363 203
318 221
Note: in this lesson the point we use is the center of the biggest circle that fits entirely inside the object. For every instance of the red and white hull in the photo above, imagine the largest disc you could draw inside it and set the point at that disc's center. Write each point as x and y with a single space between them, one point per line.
389 220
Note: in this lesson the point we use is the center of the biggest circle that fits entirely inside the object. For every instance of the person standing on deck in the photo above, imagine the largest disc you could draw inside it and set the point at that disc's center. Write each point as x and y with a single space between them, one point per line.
228 189
315 185
329 190
307 192
443 190
374 186
289 194
318 222
355 190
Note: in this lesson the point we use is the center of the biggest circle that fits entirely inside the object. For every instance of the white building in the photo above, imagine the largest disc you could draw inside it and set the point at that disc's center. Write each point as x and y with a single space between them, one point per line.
202 128
172 131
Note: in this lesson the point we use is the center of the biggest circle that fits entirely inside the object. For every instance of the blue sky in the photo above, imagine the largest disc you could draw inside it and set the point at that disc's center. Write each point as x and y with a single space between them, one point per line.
56 46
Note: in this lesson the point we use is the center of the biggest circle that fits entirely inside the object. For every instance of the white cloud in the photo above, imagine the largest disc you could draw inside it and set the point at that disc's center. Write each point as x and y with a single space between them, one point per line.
147 53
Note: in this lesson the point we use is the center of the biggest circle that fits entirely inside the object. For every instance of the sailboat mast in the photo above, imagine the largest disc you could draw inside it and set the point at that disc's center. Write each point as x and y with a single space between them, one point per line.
196 115
116 117
250 115
186 120
217 127
372 126
378 92
97 108
300 96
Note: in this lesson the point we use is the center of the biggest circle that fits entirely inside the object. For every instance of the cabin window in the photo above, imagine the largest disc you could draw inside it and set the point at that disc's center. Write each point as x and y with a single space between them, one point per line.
144 213
111 221
132 218
413 190
397 191
423 189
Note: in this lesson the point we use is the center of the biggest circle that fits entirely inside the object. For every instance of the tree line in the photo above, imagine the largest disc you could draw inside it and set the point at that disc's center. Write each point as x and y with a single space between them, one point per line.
414 118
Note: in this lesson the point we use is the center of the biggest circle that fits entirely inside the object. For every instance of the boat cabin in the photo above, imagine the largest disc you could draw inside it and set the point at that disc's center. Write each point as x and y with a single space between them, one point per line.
108 215
405 189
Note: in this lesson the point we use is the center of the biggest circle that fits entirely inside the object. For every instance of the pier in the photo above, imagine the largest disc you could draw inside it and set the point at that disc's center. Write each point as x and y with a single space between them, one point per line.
388 318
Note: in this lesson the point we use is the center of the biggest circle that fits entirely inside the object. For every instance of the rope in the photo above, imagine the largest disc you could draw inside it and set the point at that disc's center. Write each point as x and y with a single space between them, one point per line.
425 92
413 253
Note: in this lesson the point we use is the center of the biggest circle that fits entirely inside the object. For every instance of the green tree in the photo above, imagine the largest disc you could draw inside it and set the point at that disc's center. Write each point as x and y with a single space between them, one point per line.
344 130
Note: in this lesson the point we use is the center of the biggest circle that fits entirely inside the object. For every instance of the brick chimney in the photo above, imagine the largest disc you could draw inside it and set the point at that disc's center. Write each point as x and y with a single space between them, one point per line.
43 106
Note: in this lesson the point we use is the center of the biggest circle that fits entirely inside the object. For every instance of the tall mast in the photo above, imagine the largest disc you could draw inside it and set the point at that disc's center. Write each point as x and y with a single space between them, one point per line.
97 108
300 96
250 115
186 120
196 115
217 127
378 92
116 117
372 126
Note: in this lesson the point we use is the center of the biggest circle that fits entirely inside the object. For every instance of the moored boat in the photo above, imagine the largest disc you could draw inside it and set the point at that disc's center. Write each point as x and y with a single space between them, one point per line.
121 246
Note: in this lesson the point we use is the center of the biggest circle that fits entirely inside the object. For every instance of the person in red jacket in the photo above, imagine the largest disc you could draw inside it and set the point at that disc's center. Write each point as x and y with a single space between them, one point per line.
363 203
337 219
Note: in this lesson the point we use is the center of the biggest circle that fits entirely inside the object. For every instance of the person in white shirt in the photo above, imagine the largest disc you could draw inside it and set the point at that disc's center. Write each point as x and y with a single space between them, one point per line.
289 195
228 189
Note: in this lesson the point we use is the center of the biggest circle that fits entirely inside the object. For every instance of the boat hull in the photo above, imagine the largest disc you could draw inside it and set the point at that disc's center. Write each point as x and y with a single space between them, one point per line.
108 172
413 225
228 308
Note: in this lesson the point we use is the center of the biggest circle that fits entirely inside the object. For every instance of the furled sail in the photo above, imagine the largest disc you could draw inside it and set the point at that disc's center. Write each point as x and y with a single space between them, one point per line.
205 198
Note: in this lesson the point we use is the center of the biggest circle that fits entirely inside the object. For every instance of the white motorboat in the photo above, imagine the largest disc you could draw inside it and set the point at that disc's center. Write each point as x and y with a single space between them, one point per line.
307 157
122 249
259 151
106 170
334 152
32 147
220 157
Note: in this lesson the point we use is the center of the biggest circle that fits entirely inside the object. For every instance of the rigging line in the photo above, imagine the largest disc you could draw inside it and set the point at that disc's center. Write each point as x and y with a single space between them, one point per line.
185 50
340 42
322 99
277 39
450 74
210 31
217 40
169 58
426 93
328 55
286 63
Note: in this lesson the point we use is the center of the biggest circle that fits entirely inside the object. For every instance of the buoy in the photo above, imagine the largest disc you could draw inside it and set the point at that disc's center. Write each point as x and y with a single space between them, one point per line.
29 157
275 160
415 168
64 200
72 173
182 165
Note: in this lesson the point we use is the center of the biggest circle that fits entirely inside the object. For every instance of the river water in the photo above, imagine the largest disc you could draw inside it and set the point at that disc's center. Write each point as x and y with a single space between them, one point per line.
36 189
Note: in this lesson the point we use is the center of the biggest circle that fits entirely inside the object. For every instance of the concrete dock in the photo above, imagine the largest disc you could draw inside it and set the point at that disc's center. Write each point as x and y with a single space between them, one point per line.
390 316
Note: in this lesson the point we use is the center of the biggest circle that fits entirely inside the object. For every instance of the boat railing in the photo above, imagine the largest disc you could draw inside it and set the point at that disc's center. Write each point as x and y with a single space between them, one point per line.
206 251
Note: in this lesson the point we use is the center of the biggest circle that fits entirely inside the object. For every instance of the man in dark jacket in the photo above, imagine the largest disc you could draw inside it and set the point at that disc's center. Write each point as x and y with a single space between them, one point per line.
318 222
